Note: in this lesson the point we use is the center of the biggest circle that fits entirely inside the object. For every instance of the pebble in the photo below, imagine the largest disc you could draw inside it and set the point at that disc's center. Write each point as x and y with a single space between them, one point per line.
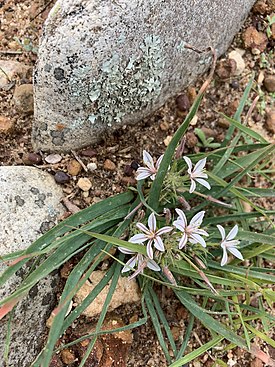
237 57
167 140
192 94
194 120
61 177
183 102
270 120
74 167
92 166
134 165
53 158
209 132
164 126
89 152
235 84
226 68
6 125
109 165
128 170
67 356
254 40
191 139
9 69
269 83
222 122
129 181
257 363
32 158
232 107
84 184
23 98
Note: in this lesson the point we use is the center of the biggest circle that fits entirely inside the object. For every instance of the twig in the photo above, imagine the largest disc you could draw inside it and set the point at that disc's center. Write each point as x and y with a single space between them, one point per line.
42 10
79 160
10 52
70 206
251 108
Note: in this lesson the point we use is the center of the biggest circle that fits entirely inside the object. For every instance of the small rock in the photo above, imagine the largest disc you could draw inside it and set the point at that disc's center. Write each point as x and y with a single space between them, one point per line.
235 84
175 330
129 181
56 361
128 170
134 165
164 126
89 153
192 94
270 120
126 292
269 83
53 158
92 166
209 132
74 167
273 31
6 125
84 184
167 140
222 122
67 356
23 98
261 7
191 140
109 165
226 68
183 102
61 177
254 40
194 120
237 57
231 108
9 69
32 158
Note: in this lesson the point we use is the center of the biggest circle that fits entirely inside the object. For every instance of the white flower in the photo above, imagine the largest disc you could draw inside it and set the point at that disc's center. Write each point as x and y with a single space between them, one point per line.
151 169
197 175
191 232
138 260
152 235
229 244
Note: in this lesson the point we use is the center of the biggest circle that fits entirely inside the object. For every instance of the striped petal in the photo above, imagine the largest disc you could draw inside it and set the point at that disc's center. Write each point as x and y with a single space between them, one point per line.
151 264
222 231
235 252
152 223
150 250
143 228
148 160
196 238
189 164
202 232
224 257
203 183
232 234
143 173
199 165
182 216
159 161
138 238
197 219
183 241
179 225
193 186
158 243
163 230
126 251
130 265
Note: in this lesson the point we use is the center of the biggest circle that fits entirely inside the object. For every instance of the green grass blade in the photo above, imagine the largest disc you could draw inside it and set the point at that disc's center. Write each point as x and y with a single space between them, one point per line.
187 337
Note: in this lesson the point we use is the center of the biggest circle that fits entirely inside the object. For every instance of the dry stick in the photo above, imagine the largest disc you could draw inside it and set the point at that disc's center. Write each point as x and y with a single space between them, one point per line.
42 10
251 108
10 52
79 161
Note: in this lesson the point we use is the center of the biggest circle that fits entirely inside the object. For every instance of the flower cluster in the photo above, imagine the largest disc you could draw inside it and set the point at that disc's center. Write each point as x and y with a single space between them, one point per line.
181 232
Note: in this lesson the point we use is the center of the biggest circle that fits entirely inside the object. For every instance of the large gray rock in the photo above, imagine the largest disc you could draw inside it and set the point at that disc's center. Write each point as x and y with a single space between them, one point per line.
30 205
104 63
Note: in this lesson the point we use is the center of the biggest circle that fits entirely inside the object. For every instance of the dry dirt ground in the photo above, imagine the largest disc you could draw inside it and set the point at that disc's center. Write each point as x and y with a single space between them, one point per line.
117 156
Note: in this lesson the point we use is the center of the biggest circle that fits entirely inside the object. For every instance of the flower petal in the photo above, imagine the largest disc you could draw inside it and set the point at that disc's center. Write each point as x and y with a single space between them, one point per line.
150 250
148 160
151 264
199 165
152 223
193 186
158 243
196 238
197 219
232 234
179 225
203 183
130 264
143 173
201 232
222 231
143 228
189 164
182 216
163 230
159 161
153 176
138 238
200 175
235 252
183 241
126 251
224 257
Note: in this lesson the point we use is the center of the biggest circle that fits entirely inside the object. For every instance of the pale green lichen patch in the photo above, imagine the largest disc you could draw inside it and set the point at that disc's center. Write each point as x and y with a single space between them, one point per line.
122 87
